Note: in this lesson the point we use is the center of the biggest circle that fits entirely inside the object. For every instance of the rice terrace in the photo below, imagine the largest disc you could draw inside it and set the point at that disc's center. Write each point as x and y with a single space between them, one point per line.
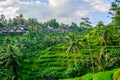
59 39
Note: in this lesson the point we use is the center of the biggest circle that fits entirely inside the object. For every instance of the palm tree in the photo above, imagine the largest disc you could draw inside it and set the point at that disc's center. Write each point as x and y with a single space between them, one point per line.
92 61
10 56
100 24
106 37
5 74
101 58
73 46
2 19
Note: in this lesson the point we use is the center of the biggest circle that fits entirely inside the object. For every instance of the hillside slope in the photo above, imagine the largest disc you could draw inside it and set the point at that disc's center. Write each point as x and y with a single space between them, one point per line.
54 61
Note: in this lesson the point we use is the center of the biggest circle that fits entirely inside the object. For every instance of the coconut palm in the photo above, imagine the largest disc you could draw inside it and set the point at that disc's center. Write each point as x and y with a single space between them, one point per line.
102 57
10 58
73 46
107 37
92 61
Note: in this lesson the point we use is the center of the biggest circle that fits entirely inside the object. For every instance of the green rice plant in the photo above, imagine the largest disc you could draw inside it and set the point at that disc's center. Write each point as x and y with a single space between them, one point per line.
54 69
103 75
87 76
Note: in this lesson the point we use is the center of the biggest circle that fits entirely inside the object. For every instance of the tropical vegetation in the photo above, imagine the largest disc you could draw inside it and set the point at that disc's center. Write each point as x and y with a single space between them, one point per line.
58 51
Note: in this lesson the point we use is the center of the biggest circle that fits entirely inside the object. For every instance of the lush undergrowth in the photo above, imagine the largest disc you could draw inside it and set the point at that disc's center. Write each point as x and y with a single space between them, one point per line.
96 53
107 75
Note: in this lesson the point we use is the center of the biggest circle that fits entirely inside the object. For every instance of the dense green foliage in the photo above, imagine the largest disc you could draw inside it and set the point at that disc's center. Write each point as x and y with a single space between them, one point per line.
53 50
107 75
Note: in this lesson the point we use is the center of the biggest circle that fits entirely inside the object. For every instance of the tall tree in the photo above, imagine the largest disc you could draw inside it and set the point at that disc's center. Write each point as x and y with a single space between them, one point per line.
53 23
85 23
3 21
73 46
2 18
74 26
10 56
115 12
100 24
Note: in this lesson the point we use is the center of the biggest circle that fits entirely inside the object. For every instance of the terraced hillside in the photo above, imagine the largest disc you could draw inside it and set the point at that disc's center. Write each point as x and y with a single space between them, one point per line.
98 43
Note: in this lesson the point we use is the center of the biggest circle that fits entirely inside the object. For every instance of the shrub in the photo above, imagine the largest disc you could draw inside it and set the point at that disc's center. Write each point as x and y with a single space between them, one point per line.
116 75
75 72
51 75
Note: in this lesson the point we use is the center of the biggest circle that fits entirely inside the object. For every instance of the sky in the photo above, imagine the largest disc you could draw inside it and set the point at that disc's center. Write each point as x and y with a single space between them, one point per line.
65 11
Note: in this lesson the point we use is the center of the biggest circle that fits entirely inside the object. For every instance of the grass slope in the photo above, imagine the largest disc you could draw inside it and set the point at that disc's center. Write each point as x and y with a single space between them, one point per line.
107 75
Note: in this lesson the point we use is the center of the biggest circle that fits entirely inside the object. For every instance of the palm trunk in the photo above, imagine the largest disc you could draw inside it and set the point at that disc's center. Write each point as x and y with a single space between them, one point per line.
75 60
14 68
91 58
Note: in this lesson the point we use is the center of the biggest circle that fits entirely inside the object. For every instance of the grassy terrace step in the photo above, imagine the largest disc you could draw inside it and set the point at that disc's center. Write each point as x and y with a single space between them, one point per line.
54 69
55 60
51 60
56 64
86 50
28 72
60 58
29 66
60 61
60 55
28 76
77 78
